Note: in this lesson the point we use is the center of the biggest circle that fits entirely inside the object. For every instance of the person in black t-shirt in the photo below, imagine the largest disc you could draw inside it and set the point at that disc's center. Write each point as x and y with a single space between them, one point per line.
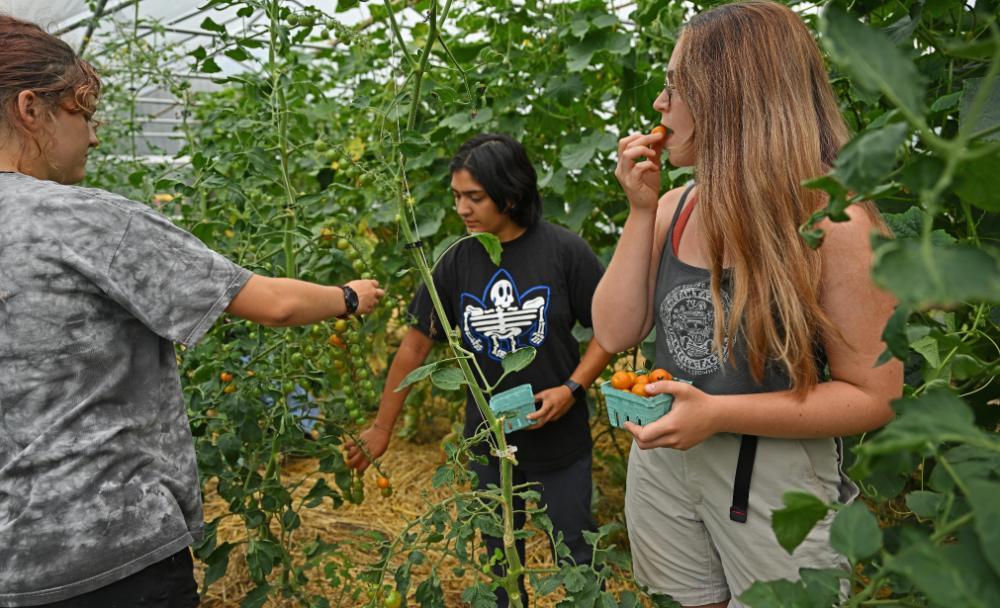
542 288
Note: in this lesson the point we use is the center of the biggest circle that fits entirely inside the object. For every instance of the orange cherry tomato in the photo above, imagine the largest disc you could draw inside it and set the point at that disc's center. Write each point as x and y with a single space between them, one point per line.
226 377
639 388
622 381
658 129
643 378
383 482
658 375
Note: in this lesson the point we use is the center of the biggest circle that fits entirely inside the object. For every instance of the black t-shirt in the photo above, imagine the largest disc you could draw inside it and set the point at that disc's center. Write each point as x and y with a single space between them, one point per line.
543 287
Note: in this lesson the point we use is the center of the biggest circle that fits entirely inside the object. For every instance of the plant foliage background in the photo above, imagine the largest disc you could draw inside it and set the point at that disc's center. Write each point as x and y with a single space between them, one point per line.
305 165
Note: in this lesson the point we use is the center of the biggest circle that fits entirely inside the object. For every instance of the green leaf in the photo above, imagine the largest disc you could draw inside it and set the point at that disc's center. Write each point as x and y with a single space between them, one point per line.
924 504
576 155
935 417
518 360
449 378
793 523
978 182
940 276
928 348
855 532
217 563
876 64
989 113
492 245
580 54
954 574
209 66
894 334
865 162
257 597
417 375
984 496
211 26
479 596
910 223
237 54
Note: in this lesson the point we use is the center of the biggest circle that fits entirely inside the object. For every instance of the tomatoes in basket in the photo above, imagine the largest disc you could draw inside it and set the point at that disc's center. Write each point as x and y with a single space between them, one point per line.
623 381
658 375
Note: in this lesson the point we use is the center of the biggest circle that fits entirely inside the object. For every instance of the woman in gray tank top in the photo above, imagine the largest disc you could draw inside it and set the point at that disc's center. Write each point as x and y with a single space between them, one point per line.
778 340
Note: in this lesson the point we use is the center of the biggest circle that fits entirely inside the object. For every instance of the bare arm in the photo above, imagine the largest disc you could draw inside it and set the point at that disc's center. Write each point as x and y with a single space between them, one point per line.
557 400
278 302
411 354
621 319
855 400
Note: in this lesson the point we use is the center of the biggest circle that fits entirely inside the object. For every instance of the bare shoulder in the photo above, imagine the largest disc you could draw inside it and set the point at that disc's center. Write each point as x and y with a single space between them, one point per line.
851 238
667 205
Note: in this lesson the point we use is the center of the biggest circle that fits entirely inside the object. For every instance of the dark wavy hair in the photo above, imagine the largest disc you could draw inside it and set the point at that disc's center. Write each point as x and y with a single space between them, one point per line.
501 165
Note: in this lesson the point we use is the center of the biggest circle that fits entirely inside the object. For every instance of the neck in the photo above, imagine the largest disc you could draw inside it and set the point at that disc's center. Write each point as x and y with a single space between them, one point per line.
510 232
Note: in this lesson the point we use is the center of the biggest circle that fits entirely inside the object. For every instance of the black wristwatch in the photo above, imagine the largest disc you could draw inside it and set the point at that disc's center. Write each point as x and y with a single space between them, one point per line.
575 388
350 300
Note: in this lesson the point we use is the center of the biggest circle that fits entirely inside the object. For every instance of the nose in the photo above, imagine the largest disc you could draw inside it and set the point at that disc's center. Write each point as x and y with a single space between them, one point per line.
462 206
660 104
94 141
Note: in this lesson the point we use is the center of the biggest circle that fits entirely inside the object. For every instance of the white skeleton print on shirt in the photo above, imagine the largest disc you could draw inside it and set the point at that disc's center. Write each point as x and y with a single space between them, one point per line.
504 319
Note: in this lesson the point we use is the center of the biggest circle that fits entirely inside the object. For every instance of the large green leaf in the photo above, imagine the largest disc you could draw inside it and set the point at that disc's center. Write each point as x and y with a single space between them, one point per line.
924 504
984 496
793 523
479 596
491 243
815 589
580 54
417 375
978 182
518 360
942 275
449 378
577 155
988 116
872 59
864 162
951 575
855 532
933 418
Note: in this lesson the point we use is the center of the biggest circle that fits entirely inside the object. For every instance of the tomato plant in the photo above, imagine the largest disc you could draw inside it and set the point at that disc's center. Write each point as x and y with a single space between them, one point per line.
329 153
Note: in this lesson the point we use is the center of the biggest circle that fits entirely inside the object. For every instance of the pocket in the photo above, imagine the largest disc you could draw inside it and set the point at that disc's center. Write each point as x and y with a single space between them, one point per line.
823 465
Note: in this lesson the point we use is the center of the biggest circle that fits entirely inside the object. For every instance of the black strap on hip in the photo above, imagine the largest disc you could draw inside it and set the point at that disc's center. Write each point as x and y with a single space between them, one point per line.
741 484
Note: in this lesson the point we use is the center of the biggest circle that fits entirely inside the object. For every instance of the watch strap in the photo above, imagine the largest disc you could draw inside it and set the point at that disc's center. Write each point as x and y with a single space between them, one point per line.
350 299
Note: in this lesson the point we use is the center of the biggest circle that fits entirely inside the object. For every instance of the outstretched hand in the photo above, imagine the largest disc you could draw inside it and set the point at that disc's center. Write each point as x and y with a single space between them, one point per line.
369 294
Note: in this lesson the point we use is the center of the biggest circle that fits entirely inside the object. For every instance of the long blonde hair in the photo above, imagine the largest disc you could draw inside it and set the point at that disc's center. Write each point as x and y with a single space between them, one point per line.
765 119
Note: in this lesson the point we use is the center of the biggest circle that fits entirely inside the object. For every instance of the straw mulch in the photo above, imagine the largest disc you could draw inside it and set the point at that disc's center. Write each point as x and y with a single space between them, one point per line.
411 467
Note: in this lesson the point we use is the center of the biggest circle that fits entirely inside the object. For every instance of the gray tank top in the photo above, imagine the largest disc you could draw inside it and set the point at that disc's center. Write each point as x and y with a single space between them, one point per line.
685 325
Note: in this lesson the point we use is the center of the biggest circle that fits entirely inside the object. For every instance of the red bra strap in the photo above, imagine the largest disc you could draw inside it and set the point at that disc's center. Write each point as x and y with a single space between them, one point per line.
682 222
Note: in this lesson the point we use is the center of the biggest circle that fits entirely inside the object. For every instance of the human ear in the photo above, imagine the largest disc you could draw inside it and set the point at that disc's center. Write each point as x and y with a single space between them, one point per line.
30 110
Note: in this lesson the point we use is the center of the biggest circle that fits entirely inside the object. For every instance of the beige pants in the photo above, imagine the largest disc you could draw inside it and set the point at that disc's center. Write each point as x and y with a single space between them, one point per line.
677 509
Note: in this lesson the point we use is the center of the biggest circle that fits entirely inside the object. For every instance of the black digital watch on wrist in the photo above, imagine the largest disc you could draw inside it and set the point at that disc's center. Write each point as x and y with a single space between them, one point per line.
575 388
350 300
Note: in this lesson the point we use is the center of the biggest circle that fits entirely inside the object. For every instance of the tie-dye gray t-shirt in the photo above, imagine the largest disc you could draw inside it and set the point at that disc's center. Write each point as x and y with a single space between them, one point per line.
97 466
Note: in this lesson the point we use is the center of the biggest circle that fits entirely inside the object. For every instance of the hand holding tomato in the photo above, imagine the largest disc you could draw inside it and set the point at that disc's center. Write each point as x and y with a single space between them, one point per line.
638 169
376 441
369 294
692 418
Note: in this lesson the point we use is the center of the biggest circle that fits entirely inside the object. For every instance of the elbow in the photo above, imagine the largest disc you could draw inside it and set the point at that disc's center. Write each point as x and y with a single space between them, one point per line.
279 312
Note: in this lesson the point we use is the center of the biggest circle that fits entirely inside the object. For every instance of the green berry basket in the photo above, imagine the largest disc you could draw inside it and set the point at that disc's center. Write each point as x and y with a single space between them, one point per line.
514 405
625 406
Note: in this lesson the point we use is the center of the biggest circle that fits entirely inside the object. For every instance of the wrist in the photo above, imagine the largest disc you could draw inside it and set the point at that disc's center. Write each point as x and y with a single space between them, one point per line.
385 429
350 300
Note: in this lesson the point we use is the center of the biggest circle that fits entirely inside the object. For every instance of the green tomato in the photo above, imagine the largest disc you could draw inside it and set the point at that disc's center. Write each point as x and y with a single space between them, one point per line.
393 599
296 359
358 265
341 325
287 386
361 373
355 349
343 244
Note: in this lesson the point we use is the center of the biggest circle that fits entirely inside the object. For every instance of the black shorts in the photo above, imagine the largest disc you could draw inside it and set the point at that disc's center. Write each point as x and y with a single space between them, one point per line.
166 584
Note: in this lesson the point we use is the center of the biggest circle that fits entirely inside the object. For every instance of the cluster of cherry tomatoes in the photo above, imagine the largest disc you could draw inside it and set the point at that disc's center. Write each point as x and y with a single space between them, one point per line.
636 383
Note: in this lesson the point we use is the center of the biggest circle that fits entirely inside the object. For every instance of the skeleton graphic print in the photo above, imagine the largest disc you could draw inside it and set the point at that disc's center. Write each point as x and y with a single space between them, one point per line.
504 318
689 320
